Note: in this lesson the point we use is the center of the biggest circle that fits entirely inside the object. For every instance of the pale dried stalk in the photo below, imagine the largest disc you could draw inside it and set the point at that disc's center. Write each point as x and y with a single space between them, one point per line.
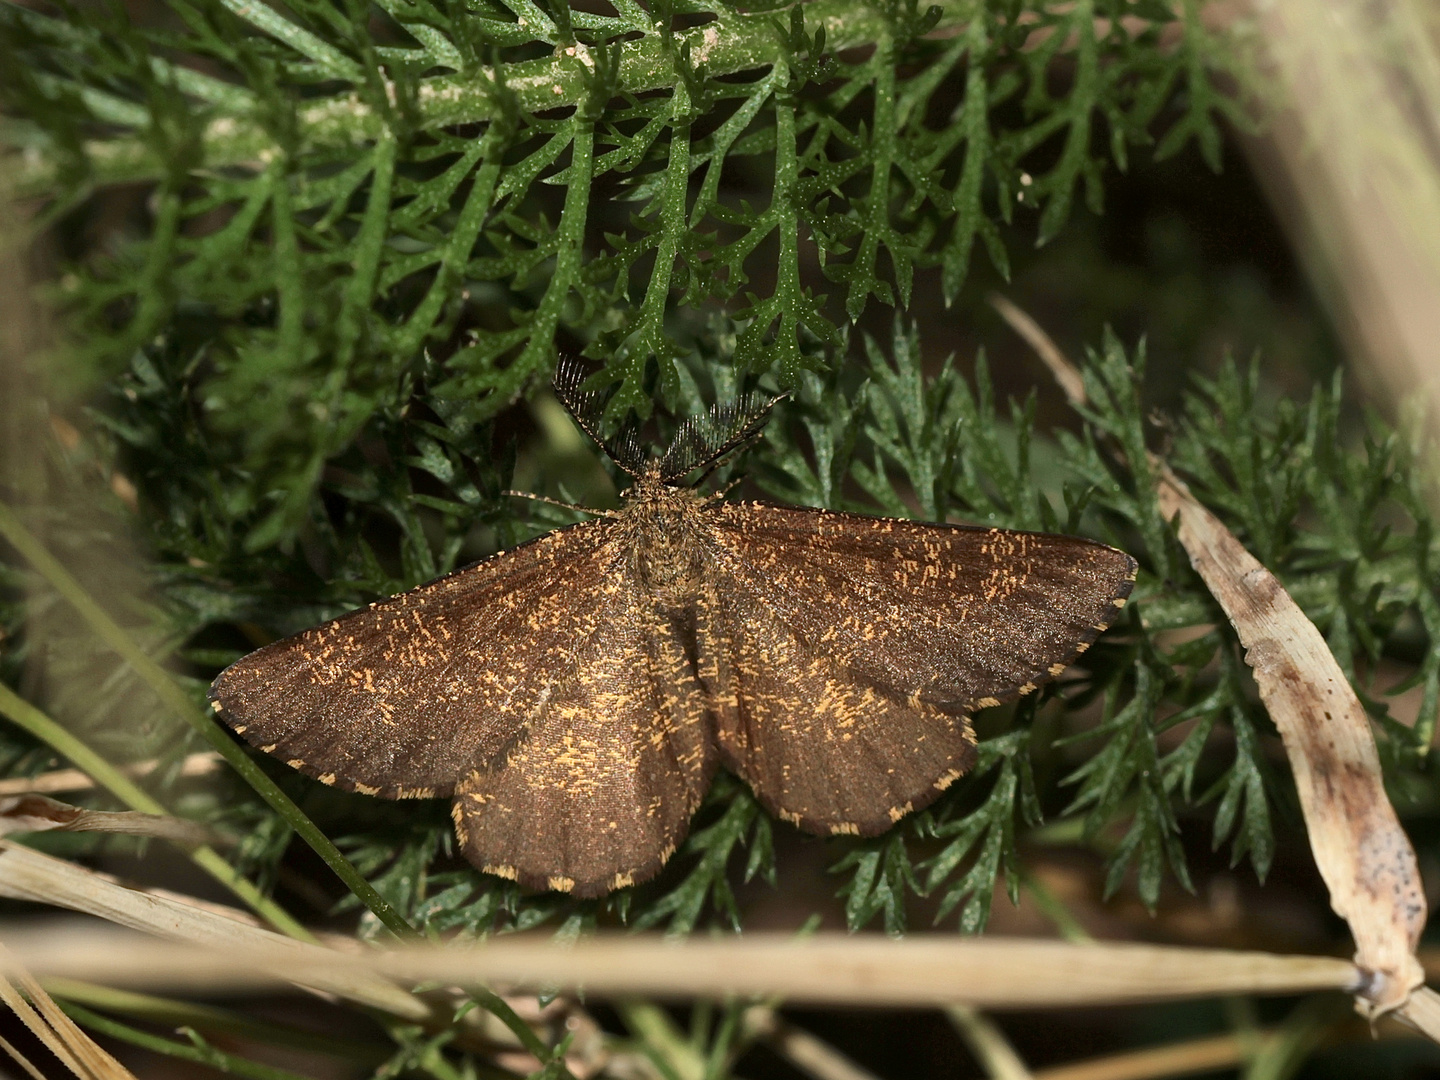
1361 850
1072 385
828 969
1422 1012
1175 1059
47 1022
213 930
24 1062
1352 168
988 1044
852 970
61 780
29 875
808 1053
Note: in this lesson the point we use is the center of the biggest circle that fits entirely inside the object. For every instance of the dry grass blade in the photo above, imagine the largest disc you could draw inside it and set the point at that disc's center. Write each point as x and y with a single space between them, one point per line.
39 813
74 1049
1360 848
1351 167
828 968
207 931
29 875
1421 1011
1072 385
1176 1059
22 1059
812 1056
58 780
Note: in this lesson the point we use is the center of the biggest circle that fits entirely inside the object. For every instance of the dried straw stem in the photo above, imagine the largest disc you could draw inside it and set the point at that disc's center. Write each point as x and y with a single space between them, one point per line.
1362 852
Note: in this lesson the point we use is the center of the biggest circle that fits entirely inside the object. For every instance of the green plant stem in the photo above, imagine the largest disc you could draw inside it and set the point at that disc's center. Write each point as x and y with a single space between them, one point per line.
672 224
208 1018
289 281
876 222
1054 909
663 1042
503 385
1280 1056
204 1055
176 700
24 715
988 1044
735 43
788 299
460 243
369 245
728 1043
151 292
496 1005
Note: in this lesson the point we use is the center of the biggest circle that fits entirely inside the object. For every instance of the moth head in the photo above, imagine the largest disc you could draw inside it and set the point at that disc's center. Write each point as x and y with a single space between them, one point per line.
701 442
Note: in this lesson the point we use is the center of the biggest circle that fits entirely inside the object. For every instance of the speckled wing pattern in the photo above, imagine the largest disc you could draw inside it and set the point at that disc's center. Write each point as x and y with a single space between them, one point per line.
843 652
403 698
601 790
575 695
541 688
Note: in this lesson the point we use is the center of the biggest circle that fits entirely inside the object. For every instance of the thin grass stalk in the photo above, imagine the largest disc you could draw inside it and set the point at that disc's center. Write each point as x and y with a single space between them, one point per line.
26 716
109 631
198 1051
834 969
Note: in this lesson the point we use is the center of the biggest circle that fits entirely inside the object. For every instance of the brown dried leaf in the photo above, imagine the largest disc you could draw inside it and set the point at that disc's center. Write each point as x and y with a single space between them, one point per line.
39 813
1360 849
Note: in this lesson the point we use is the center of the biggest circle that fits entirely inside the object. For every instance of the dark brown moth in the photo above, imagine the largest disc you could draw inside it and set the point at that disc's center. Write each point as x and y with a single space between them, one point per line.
575 695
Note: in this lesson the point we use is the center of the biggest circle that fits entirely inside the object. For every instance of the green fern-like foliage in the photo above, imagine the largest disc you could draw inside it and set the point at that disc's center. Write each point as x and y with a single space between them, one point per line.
366 229
340 189
318 260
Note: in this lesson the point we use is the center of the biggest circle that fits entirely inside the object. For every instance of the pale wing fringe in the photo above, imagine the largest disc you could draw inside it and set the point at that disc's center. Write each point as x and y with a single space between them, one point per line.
1361 850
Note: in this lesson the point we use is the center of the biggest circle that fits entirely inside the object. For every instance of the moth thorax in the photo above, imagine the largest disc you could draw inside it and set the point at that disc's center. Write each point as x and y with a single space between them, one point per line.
665 546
